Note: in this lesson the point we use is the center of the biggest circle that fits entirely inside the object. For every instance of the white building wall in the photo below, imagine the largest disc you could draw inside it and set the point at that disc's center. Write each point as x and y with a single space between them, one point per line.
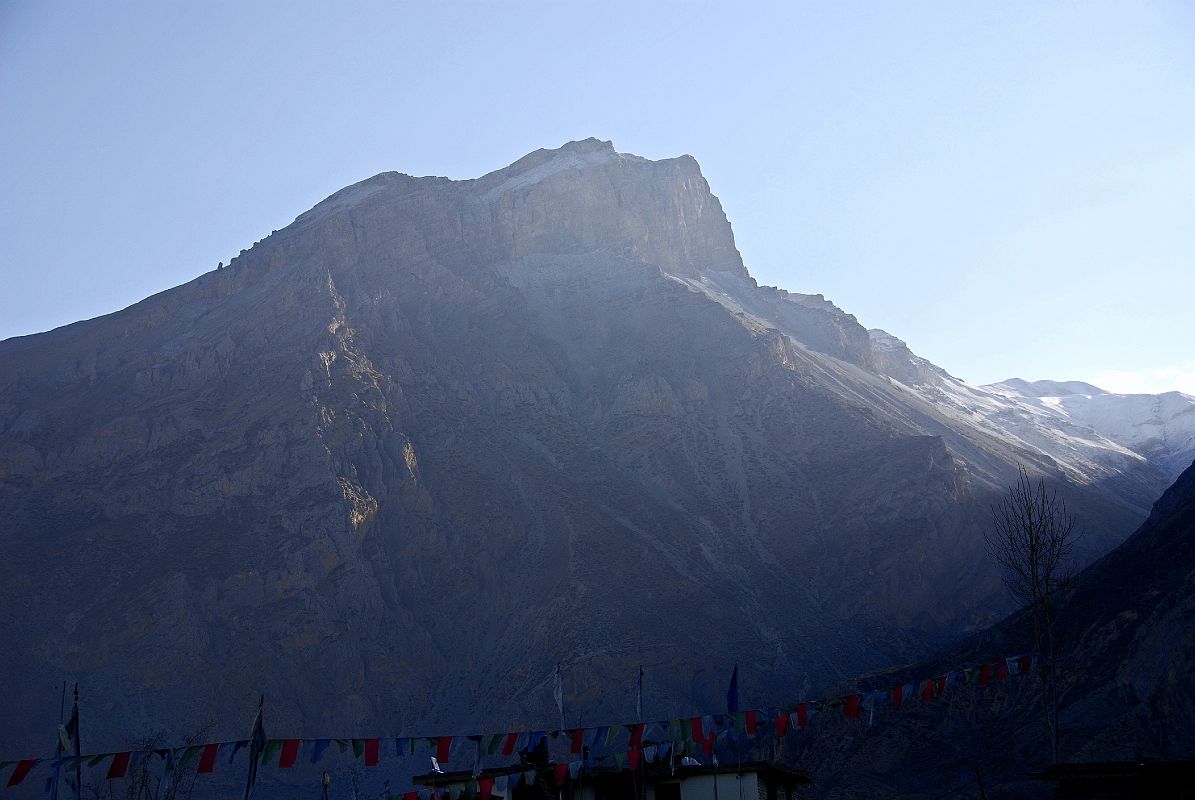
723 786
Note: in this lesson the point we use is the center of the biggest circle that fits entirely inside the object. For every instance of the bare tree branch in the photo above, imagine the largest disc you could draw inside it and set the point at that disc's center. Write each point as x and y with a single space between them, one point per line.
1031 539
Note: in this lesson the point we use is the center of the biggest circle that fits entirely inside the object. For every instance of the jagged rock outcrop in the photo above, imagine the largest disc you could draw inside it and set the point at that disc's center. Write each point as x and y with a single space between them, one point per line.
405 455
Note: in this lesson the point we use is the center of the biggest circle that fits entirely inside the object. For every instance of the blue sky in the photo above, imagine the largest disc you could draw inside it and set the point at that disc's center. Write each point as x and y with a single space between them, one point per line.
1008 187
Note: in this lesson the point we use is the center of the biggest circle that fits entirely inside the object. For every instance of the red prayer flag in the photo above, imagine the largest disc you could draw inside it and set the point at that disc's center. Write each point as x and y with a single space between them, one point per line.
697 731
578 738
21 771
486 788
1002 670
940 686
411 796
782 724
1026 664
707 744
898 696
443 746
508 743
290 752
120 765
802 715
371 752
850 706
985 674
207 759
561 774
927 690
751 722
636 734
633 757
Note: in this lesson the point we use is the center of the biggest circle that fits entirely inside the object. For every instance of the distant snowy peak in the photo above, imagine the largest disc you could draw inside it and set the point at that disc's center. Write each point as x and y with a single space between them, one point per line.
1160 427
1084 427
1046 388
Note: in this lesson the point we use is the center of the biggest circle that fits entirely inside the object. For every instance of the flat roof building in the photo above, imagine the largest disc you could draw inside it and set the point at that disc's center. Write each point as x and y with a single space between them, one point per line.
757 780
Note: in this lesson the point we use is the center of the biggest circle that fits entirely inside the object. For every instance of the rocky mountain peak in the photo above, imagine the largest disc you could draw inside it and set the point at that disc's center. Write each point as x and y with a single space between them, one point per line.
543 163
895 359
583 197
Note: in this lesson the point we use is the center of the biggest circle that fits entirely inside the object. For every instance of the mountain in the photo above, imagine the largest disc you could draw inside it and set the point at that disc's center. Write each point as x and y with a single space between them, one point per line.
1160 427
401 458
1084 451
1127 661
1026 388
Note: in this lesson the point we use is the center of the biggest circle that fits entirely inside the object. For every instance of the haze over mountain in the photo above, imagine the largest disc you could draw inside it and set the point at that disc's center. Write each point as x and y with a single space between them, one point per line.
405 455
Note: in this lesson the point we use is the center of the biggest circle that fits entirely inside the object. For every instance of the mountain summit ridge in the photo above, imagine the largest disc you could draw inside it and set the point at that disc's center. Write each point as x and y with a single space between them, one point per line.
423 428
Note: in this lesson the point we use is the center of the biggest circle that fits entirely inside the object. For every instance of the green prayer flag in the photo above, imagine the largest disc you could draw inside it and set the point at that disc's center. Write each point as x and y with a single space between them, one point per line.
188 756
686 730
495 741
740 721
612 734
358 748
271 749
91 762
621 760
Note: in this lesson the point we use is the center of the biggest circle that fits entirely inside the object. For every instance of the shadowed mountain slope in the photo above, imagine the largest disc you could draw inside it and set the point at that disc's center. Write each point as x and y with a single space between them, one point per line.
1127 665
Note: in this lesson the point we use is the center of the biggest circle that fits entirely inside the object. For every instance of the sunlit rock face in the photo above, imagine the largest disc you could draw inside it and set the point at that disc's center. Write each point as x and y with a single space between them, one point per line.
404 456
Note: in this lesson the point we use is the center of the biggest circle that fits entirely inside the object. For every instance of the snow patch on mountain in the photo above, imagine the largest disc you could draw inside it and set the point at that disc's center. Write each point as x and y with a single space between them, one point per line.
543 164
562 162
1160 427
1049 388
1082 452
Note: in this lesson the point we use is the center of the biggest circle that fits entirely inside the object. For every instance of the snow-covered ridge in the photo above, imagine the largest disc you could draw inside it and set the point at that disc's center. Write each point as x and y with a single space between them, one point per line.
1047 388
1160 427
1087 450
1082 451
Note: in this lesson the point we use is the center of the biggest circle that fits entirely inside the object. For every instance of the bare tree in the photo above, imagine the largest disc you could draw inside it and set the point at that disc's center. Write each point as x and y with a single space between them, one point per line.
1031 539
144 781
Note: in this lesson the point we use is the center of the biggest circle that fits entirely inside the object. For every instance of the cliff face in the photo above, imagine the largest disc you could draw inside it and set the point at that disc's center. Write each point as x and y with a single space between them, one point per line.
404 456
